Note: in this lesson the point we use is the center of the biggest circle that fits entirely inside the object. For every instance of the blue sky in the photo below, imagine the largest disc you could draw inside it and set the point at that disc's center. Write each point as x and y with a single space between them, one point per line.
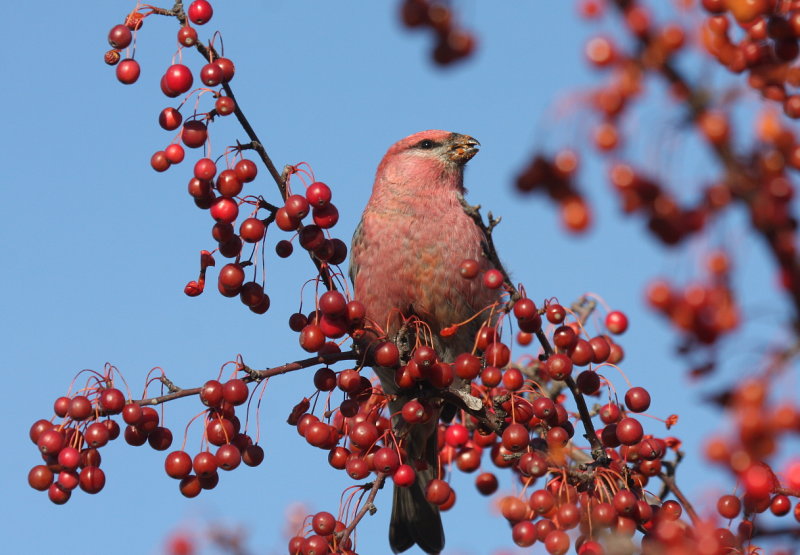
98 246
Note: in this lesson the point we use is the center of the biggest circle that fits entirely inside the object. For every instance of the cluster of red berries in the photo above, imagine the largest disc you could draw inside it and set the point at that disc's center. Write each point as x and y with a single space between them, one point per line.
121 36
221 192
704 311
222 430
535 430
312 237
765 46
70 449
760 427
452 43
555 176
333 318
321 538
666 219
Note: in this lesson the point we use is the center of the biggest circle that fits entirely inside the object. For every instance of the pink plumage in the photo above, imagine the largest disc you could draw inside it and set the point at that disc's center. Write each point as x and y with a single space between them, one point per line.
405 261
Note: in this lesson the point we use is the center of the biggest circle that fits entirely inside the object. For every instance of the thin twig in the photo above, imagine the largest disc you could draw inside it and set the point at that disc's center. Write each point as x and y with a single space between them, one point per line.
368 507
252 376
673 487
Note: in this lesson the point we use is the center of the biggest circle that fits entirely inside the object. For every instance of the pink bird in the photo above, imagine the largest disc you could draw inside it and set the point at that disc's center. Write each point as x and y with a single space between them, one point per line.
405 262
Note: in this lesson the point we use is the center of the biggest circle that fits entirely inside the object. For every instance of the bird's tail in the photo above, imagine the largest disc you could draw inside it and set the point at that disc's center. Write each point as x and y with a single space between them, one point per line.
414 519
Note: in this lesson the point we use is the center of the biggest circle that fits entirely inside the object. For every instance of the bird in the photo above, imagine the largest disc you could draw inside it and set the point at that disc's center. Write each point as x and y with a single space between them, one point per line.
404 262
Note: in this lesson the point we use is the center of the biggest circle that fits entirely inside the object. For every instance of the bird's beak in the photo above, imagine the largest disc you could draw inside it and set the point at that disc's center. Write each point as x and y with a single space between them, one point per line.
463 148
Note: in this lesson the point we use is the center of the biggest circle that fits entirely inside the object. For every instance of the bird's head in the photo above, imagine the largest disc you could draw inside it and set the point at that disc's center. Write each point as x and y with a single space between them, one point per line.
427 158
442 146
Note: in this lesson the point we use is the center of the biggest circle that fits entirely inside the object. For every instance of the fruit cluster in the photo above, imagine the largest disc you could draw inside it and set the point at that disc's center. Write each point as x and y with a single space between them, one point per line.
757 176
760 38
704 311
452 43
220 190
760 426
555 177
70 448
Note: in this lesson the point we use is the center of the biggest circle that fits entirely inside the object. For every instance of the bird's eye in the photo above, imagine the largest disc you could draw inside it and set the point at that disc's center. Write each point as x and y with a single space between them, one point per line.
427 144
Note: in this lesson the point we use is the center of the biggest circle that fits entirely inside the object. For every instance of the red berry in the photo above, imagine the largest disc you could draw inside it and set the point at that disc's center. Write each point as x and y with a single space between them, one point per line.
80 408
205 169
311 237
200 11
204 464
515 437
325 216
284 248
469 268
235 392
486 483
387 354
555 313
492 279
228 184
637 399
225 105
128 71
178 464
616 322
559 366
96 434
68 480
174 153
565 338
228 456
187 36
386 460
414 412
513 379
297 207
231 277
253 455
61 406
178 78
40 477
190 486
333 303
312 338
729 506
629 431
588 382
524 533
246 170
160 438
159 162
467 366
58 495
224 210
50 442
132 414
318 194
194 133
323 523
120 37
228 69
211 75
497 354
252 230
